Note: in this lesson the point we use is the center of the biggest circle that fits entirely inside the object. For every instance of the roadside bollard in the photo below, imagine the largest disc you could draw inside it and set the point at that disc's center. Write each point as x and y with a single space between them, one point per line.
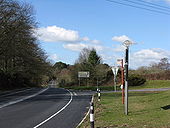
92 115
99 95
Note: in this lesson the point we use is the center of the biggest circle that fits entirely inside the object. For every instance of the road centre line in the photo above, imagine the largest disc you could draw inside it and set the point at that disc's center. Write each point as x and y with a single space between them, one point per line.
49 118
20 100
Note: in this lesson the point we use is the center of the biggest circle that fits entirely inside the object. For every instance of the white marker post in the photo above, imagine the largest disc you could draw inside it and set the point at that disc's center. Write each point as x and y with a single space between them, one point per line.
115 71
92 114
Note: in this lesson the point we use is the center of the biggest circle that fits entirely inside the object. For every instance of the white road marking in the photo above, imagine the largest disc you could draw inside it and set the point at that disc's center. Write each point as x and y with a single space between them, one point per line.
75 93
86 114
56 112
15 92
20 100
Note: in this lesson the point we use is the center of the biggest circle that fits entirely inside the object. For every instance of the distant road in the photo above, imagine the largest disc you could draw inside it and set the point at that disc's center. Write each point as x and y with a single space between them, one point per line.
43 108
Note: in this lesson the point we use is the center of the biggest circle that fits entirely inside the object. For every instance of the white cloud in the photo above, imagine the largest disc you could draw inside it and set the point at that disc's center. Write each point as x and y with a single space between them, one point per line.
79 46
75 47
145 57
168 1
54 57
97 47
95 41
119 48
85 39
107 57
58 34
120 38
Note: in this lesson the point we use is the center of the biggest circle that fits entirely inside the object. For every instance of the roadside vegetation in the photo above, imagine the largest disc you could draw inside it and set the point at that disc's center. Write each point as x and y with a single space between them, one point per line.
157 75
146 110
22 62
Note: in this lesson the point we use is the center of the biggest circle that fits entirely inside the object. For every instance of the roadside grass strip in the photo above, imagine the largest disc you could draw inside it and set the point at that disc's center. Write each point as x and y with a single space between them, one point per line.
146 110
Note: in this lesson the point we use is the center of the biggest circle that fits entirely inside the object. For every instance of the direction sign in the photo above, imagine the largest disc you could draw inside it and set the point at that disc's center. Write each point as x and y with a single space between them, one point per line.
83 74
115 70
119 61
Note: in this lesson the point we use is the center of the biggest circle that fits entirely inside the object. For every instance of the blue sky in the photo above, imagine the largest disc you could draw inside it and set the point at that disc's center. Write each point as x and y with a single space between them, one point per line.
67 26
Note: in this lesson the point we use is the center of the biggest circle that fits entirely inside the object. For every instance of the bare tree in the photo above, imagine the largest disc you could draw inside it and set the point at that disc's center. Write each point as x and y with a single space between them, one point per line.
83 56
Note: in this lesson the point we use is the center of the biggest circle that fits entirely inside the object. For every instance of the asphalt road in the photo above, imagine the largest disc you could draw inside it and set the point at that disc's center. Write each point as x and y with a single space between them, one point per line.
38 108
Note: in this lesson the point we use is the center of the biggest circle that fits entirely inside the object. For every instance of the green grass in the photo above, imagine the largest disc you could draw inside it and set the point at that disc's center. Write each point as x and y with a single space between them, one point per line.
148 84
144 111
154 84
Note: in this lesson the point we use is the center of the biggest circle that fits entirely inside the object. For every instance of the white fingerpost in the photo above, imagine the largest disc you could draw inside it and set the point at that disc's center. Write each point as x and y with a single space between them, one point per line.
115 71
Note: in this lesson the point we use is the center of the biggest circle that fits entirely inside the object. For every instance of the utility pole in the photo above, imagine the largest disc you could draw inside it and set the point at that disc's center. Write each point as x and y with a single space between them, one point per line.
126 81
127 43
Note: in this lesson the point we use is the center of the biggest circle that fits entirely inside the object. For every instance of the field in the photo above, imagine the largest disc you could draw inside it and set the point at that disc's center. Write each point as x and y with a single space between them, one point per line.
146 110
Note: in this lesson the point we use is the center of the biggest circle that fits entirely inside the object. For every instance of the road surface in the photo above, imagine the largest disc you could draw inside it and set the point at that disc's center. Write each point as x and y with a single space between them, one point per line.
43 108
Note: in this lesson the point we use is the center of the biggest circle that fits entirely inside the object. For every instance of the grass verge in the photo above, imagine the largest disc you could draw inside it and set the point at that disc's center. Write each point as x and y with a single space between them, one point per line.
154 84
145 111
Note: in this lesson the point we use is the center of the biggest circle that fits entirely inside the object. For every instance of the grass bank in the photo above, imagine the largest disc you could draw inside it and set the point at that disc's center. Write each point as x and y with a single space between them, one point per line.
145 111
154 84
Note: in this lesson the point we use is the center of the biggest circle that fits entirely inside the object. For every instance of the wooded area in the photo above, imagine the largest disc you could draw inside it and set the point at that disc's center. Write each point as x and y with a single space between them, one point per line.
22 61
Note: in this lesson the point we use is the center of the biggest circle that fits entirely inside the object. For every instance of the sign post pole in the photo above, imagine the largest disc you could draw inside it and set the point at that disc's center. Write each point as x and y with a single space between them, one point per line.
120 62
115 70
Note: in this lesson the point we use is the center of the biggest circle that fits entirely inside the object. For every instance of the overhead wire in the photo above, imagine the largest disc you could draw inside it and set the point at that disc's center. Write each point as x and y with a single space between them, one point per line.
154 4
139 7
147 5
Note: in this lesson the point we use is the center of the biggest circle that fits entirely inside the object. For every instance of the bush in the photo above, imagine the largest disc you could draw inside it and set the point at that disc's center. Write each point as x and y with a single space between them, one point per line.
136 80
12 81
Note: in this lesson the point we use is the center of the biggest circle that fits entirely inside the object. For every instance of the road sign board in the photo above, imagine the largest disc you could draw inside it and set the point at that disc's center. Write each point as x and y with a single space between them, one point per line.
115 70
84 74
119 61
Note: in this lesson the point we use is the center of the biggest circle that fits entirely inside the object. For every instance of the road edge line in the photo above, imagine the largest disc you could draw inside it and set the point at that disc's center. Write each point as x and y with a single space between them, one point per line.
86 114
15 92
49 118
22 99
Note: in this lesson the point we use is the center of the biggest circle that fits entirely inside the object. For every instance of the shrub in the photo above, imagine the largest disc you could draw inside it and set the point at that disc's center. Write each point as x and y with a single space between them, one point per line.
136 80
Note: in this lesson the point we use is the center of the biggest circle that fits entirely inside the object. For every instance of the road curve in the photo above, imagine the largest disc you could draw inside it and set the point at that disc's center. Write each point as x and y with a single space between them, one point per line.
54 108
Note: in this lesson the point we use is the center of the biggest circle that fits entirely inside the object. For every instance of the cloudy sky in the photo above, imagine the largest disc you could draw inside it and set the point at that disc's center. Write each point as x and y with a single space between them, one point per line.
67 26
